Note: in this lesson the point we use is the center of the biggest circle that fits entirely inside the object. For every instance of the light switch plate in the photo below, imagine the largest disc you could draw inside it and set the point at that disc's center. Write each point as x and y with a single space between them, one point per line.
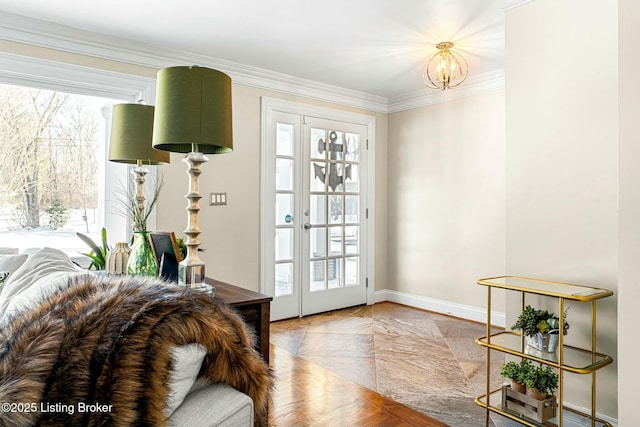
218 199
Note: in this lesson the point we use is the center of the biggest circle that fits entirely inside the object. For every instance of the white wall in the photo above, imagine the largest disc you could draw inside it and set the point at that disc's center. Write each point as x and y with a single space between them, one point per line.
562 163
629 204
446 199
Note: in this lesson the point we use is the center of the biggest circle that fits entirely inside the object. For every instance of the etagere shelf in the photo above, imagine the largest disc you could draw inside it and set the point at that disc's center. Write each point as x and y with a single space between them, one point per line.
567 359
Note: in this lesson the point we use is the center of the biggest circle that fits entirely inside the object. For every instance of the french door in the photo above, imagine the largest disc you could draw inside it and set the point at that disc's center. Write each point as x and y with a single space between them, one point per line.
314 213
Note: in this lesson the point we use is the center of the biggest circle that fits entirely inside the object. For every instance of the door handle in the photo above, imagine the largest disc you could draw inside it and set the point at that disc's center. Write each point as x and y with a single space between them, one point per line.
307 226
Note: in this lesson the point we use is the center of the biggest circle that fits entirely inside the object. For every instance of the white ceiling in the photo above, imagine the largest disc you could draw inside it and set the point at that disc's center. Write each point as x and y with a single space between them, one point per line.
376 47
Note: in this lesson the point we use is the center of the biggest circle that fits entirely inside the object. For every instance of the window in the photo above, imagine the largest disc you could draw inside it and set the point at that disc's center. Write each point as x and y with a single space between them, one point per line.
52 146
55 179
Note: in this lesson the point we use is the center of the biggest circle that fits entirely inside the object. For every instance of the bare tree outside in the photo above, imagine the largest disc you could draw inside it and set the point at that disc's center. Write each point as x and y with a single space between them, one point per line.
48 158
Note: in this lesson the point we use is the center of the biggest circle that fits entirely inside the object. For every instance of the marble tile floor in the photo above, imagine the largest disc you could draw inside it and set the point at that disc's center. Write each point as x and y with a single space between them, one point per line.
426 361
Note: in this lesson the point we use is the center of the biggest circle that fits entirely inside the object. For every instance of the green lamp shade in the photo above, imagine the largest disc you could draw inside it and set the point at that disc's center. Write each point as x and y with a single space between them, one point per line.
131 133
193 111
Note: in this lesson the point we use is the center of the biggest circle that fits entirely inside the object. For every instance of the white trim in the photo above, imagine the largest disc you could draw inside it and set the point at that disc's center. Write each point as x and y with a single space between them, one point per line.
273 104
474 85
512 4
443 307
54 36
27 71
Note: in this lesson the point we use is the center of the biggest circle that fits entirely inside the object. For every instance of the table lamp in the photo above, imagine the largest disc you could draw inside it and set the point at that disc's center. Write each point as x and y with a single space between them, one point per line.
131 134
193 116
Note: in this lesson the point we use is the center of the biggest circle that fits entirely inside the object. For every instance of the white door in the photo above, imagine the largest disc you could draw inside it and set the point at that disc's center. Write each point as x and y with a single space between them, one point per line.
314 209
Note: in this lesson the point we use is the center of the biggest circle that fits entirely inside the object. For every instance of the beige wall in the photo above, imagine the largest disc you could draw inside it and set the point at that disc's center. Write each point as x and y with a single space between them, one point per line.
562 163
446 199
629 205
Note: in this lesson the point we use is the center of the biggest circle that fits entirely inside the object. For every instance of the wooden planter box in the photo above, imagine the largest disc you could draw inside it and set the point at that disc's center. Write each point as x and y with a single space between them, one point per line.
521 404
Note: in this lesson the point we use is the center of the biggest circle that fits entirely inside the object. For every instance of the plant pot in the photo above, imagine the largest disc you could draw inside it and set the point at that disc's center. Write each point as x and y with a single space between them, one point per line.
536 394
518 386
547 343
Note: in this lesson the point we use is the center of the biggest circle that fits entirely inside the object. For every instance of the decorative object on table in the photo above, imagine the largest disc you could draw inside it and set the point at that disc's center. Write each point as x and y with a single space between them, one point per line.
531 390
117 259
98 254
540 328
193 116
141 260
446 69
165 249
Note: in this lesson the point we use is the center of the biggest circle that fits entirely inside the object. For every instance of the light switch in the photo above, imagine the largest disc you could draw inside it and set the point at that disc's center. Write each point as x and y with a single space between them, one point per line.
218 199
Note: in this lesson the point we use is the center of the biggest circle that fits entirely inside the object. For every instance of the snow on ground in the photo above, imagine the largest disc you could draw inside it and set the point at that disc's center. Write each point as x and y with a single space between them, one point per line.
64 239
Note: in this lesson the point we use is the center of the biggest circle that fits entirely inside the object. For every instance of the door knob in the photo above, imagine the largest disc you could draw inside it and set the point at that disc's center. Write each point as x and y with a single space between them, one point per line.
307 226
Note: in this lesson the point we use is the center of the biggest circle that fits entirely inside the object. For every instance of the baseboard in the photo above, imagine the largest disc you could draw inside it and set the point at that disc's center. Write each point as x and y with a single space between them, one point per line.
477 315
439 306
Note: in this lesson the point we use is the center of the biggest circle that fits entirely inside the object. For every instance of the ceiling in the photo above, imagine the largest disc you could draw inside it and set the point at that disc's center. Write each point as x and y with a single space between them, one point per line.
377 47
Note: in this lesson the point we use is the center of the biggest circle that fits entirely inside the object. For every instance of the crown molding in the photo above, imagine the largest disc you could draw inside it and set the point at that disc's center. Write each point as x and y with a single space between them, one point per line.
512 4
54 36
473 85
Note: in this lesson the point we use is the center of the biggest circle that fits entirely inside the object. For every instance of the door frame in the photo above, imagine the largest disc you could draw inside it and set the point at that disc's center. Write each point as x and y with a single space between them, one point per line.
268 107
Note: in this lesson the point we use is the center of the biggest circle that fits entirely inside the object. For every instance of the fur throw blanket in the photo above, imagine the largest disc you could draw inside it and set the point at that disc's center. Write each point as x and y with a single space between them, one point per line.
108 340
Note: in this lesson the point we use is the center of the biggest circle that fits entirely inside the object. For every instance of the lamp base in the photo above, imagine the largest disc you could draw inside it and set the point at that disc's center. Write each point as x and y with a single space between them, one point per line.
192 276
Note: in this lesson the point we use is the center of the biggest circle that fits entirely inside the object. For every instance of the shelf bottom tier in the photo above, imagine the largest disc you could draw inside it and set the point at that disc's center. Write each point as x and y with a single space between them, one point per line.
570 417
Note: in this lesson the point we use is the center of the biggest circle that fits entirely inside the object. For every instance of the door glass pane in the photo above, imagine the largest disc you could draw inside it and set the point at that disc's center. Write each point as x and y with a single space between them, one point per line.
352 240
352 209
284 208
284 244
353 183
335 241
352 153
284 140
318 209
284 174
335 209
284 279
335 147
318 176
351 270
334 273
317 269
318 242
318 144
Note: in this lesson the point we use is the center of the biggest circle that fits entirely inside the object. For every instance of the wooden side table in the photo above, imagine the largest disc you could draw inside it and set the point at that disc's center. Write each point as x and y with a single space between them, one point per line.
254 307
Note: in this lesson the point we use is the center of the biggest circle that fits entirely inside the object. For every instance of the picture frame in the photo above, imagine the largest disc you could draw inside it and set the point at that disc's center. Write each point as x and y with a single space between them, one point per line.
167 254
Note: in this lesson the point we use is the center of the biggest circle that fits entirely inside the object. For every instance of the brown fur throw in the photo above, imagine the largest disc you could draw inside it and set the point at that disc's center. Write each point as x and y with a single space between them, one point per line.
108 341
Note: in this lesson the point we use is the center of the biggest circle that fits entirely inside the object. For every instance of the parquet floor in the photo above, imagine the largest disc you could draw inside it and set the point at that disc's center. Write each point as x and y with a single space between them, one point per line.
379 365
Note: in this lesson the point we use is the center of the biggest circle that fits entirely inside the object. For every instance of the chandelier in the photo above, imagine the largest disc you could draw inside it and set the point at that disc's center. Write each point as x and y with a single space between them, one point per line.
445 69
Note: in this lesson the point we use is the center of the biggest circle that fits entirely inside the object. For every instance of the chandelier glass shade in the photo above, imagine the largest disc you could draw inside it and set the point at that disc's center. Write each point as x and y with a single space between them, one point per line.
446 68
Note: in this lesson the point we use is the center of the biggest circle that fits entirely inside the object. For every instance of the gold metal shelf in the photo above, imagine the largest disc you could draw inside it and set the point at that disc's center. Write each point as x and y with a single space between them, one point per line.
546 287
567 359
576 360
495 405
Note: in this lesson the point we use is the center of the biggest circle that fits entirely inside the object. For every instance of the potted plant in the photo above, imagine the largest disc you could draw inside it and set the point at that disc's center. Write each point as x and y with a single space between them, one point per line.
541 328
540 381
514 371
